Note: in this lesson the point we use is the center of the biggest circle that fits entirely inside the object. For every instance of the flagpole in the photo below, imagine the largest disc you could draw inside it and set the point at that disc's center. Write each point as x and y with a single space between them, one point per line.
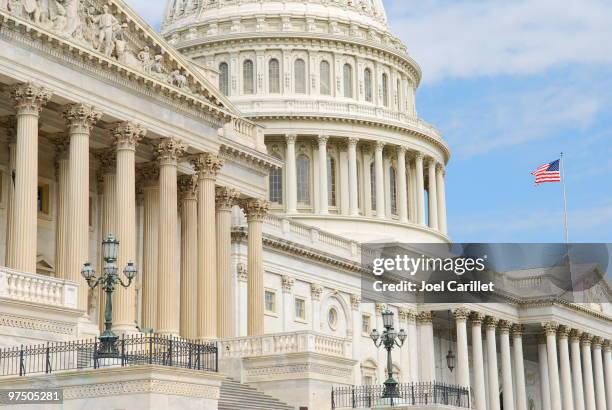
564 199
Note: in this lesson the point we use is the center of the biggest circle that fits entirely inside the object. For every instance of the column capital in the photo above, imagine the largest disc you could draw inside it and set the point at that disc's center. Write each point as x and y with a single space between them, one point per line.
187 186
148 173
81 117
380 146
126 135
563 332
419 156
425 317
169 151
597 342
607 347
440 168
291 138
550 328
352 141
505 326
575 335
316 291
461 314
401 149
586 339
355 302
408 315
287 283
226 198
29 98
490 322
322 139
517 331
207 165
255 209
477 318
107 158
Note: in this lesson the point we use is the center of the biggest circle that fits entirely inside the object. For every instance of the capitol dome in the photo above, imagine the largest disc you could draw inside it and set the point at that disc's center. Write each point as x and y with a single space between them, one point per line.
335 91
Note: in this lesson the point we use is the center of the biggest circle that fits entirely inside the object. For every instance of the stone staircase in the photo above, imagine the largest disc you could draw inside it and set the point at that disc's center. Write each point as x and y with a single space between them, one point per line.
239 396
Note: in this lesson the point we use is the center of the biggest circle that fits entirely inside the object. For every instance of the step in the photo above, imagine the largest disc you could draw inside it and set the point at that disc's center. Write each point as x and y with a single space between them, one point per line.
239 396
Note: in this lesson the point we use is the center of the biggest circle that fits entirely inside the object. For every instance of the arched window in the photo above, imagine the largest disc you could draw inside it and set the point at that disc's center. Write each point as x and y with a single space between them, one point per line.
325 74
373 185
367 80
274 76
299 74
224 78
398 101
331 181
248 77
276 185
303 179
393 188
347 75
385 89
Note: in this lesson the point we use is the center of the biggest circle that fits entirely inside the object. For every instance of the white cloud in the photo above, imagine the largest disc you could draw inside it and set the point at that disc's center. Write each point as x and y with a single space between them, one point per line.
468 38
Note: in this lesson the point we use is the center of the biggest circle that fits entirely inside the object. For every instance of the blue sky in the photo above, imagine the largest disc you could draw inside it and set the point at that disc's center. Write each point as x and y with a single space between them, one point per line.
510 85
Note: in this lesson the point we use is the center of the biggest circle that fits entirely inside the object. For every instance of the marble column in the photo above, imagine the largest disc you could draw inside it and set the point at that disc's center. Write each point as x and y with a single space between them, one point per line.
356 338
567 398
62 167
413 340
28 100
463 364
402 185
207 167
441 189
149 178
587 372
432 195
598 374
420 189
315 294
519 367
506 364
366 153
126 137
187 190
80 119
226 311
287 312
352 176
323 175
255 211
578 390
380 179
428 360
243 295
11 129
550 328
291 176
490 325
480 392
169 151
607 363
403 317
543 370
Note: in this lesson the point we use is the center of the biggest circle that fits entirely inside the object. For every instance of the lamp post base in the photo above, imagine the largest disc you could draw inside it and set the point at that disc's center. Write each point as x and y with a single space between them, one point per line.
390 390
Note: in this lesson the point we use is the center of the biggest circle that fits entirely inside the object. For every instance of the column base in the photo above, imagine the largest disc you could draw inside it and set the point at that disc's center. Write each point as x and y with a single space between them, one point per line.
125 329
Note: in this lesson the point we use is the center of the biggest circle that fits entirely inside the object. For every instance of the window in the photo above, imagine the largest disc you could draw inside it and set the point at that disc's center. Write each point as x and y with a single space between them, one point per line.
347 75
274 76
300 76
325 74
397 94
373 185
270 301
332 318
331 181
366 326
300 309
303 178
43 199
385 89
393 188
224 78
367 80
276 186
248 77
358 185
368 380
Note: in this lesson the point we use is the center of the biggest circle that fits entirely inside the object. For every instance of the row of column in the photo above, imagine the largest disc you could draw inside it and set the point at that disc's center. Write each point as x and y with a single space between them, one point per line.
410 183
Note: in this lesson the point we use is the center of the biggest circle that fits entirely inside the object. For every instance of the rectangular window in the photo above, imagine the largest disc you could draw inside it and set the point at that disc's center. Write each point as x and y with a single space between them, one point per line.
43 199
270 301
300 309
365 325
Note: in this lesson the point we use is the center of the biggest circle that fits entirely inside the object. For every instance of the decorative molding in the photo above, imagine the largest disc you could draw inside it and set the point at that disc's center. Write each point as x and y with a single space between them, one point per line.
355 301
316 291
207 165
126 135
29 98
42 325
147 385
170 150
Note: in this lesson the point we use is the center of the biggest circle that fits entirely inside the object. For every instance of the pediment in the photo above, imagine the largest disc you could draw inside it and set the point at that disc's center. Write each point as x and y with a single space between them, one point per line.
113 30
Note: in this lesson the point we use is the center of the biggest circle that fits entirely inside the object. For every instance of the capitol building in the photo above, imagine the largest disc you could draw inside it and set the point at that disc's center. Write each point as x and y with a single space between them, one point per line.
242 157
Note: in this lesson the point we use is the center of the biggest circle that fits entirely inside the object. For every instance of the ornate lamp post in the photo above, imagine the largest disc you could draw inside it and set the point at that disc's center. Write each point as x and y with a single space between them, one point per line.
389 339
108 280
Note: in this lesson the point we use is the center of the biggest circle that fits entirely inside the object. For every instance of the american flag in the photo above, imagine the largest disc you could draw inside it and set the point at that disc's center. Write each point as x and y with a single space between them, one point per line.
547 173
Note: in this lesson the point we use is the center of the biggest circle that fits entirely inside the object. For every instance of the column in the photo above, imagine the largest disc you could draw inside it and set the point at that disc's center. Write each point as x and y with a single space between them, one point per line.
519 367
506 364
402 186
432 195
403 315
567 398
480 397
441 189
463 365
543 367
598 374
126 137
490 325
411 330
578 389
226 310
323 189
381 356
428 360
28 100
607 359
357 327
587 372
255 210
352 163
207 167
380 180
150 183
61 232
367 179
243 309
550 328
169 150
187 188
80 119
343 195
291 177
11 128
315 294
287 315
412 197
420 189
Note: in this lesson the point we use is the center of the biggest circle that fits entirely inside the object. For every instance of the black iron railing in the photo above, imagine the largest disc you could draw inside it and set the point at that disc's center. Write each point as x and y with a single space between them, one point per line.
132 350
408 394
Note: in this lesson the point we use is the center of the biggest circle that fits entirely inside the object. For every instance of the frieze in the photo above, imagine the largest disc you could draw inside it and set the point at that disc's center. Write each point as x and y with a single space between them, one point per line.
29 323
140 386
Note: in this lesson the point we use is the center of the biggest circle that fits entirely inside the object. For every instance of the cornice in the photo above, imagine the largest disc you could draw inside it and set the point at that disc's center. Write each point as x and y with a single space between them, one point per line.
234 152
